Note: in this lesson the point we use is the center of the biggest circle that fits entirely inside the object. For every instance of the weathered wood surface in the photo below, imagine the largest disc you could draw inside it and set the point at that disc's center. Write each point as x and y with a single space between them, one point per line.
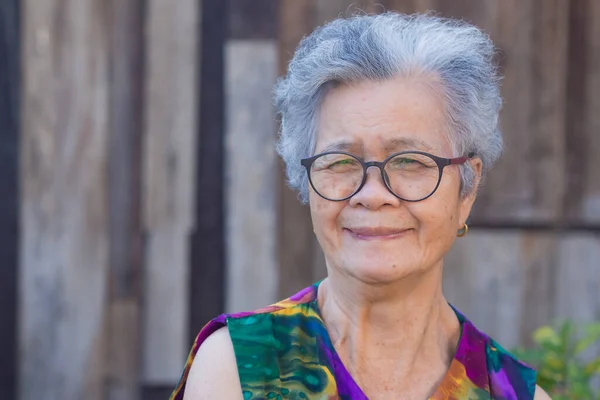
295 244
528 182
208 238
171 128
252 270
502 281
124 202
64 252
582 200
91 185
9 201
509 283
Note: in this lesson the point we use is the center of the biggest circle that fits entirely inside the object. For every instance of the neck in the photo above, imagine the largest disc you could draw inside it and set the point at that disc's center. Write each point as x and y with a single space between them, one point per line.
399 324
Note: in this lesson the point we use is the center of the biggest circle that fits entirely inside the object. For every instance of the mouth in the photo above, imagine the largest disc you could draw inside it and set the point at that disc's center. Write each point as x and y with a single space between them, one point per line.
367 233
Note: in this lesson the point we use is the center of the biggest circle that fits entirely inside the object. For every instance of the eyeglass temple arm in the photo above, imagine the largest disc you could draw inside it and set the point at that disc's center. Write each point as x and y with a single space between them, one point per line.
460 160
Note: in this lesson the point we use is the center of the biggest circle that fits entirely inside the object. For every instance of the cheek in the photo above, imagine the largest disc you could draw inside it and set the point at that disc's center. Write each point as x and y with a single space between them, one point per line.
438 216
324 214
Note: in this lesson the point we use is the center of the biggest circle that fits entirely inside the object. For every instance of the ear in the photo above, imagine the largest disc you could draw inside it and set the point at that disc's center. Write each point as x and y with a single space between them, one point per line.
466 202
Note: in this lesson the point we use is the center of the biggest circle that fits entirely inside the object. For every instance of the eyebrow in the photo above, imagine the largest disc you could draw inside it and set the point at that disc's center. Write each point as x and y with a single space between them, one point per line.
406 143
342 145
389 145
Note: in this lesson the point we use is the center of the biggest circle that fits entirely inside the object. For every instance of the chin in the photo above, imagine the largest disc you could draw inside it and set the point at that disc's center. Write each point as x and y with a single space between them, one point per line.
377 270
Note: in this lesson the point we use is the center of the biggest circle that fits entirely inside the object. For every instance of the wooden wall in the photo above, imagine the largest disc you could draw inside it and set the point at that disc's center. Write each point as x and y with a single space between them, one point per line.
151 198
109 129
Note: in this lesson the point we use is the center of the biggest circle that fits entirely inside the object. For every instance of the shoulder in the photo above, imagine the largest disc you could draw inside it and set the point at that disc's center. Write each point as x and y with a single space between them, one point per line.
212 362
213 373
540 394
505 372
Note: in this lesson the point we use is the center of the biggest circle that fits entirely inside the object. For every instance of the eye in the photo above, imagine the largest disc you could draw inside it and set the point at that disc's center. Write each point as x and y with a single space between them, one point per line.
410 162
343 165
347 161
336 163
404 161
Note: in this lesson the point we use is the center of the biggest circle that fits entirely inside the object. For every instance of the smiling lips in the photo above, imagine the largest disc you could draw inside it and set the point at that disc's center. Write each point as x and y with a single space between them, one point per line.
378 233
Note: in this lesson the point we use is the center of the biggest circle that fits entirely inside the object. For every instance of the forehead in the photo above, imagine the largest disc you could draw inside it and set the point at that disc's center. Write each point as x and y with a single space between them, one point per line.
392 115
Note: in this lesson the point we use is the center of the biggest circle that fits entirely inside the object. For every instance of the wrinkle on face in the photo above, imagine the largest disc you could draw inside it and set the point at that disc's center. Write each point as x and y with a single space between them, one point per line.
373 120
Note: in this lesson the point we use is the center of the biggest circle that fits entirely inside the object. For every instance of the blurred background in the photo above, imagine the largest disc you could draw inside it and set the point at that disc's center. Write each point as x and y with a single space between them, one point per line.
141 194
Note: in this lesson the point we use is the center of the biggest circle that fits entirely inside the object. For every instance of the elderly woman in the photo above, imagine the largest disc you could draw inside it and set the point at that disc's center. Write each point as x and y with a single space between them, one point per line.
388 124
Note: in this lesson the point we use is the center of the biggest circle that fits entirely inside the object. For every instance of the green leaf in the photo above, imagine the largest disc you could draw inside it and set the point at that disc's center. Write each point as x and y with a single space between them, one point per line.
592 368
566 331
554 362
591 337
547 336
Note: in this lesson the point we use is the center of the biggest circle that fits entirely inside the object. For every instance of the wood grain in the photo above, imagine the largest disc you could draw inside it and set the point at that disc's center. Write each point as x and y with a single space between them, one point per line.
124 184
528 182
296 243
251 172
64 253
582 197
510 283
171 127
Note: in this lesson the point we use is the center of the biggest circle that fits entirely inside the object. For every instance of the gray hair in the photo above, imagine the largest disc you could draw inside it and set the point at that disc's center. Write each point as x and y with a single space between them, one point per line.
379 47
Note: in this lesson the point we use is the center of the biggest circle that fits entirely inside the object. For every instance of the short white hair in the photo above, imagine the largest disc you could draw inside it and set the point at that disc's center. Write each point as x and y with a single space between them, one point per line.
379 47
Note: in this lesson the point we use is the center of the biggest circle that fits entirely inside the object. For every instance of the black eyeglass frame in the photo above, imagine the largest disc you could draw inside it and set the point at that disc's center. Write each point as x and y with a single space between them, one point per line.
440 161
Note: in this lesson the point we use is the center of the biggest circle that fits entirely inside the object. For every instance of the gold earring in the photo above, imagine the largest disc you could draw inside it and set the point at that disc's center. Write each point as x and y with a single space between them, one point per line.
463 231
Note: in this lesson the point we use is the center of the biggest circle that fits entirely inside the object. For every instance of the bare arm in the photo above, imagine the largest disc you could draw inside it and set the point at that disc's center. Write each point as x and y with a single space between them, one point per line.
214 374
540 394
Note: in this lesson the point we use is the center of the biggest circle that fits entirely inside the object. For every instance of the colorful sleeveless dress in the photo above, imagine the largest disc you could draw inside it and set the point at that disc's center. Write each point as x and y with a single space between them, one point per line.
284 352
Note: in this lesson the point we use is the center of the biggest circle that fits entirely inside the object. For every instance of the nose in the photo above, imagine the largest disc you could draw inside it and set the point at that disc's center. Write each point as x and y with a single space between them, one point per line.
374 193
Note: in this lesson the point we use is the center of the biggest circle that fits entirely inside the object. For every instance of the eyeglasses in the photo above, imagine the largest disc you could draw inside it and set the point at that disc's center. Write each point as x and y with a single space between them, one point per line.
410 175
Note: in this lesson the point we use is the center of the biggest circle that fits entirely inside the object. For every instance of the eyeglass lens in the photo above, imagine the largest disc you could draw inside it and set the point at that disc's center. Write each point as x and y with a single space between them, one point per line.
410 176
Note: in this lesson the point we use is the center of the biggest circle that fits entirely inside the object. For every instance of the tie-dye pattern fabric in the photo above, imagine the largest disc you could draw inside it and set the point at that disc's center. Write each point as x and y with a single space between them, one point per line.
284 352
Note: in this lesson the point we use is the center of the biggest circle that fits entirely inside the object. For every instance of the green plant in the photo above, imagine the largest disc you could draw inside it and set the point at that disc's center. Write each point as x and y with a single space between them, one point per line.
557 358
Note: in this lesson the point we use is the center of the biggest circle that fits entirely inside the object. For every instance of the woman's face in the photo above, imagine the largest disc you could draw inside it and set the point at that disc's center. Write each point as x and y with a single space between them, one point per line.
374 236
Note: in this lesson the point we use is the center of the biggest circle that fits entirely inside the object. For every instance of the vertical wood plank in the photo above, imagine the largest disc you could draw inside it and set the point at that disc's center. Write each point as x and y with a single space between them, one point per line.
251 62
578 283
126 92
208 247
170 147
9 202
578 277
538 267
251 70
510 283
64 249
528 182
582 198
296 243
505 282
481 278
296 19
